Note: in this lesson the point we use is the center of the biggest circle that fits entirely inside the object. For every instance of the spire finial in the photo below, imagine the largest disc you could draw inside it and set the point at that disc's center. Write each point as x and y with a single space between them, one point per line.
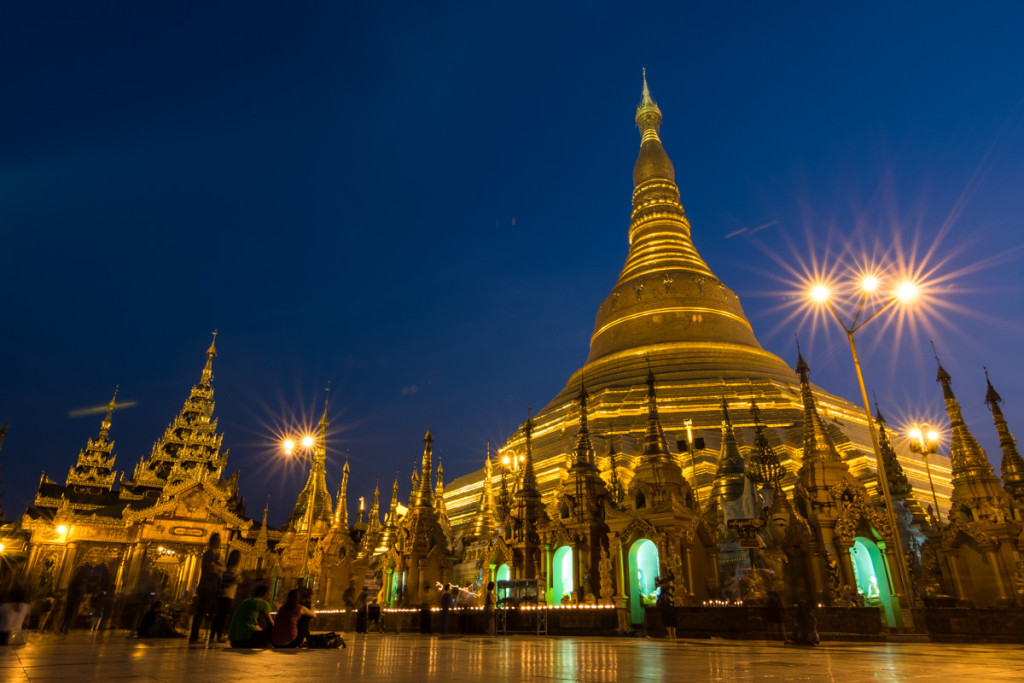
878 411
992 397
211 353
648 116
801 365
322 426
111 407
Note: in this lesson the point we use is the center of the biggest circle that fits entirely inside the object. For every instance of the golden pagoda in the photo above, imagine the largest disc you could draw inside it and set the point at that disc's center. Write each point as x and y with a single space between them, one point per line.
668 314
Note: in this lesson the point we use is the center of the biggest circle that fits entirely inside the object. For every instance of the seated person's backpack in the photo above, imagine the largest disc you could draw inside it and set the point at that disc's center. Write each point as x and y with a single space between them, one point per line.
324 641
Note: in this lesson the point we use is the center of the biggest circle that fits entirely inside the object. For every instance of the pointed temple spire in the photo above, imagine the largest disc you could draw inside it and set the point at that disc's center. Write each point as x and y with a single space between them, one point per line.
899 484
439 491
966 456
729 478
374 521
95 465
190 446
485 523
818 445
583 454
423 496
387 539
393 506
654 439
763 464
528 487
1012 464
341 512
315 491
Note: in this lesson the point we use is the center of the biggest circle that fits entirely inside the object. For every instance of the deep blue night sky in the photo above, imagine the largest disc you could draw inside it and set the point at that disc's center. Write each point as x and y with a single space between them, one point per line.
425 205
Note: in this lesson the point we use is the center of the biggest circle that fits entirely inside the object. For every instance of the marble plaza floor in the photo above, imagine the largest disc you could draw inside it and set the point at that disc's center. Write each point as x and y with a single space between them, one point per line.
406 657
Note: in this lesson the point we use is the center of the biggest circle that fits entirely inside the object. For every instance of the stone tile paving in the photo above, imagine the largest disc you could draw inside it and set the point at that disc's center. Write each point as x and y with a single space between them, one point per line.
399 658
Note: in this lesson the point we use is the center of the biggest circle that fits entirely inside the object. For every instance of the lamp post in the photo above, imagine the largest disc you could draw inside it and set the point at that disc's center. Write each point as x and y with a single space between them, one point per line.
302 449
925 440
868 287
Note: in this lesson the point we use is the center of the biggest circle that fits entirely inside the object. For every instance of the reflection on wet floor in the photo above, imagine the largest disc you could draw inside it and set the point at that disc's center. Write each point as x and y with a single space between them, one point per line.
420 659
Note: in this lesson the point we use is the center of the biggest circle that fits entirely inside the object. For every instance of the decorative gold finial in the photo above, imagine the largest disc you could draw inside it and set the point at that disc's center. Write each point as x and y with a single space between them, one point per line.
211 353
648 116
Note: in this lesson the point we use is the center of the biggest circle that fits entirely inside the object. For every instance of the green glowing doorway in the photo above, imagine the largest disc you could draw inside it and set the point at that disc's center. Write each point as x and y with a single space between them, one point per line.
872 577
561 570
643 570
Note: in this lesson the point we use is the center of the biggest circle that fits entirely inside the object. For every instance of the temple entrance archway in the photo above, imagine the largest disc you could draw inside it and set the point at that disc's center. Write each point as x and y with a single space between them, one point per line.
644 568
504 573
561 574
872 577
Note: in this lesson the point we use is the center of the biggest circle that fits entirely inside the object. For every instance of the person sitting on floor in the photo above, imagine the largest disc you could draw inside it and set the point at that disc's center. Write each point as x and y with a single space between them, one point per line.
12 616
286 626
157 624
251 626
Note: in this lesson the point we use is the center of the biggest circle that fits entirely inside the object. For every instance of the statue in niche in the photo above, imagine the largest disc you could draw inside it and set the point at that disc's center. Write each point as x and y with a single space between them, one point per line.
604 567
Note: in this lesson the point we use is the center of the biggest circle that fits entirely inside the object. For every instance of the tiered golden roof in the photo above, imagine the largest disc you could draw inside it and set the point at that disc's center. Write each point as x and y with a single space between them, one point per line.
190 446
95 466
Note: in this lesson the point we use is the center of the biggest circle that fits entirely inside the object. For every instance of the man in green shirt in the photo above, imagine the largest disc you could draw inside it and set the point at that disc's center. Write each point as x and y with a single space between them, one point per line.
252 624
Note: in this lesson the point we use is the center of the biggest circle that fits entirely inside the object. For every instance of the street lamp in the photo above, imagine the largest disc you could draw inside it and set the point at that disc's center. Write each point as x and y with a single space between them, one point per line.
925 440
303 450
868 287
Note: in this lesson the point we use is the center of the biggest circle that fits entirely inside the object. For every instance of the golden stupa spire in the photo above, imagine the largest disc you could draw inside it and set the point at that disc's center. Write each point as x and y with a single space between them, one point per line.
666 294
899 485
341 513
818 444
654 439
485 522
728 482
529 483
1013 464
583 454
423 495
374 520
315 491
322 425
966 456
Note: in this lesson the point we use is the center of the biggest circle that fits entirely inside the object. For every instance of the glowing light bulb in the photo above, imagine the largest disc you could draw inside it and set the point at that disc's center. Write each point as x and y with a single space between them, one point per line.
1 547
933 436
62 529
915 434
307 441
870 283
820 293
289 446
906 291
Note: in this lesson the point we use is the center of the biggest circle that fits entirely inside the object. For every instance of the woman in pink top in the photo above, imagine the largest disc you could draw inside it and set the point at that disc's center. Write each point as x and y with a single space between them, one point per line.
286 624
